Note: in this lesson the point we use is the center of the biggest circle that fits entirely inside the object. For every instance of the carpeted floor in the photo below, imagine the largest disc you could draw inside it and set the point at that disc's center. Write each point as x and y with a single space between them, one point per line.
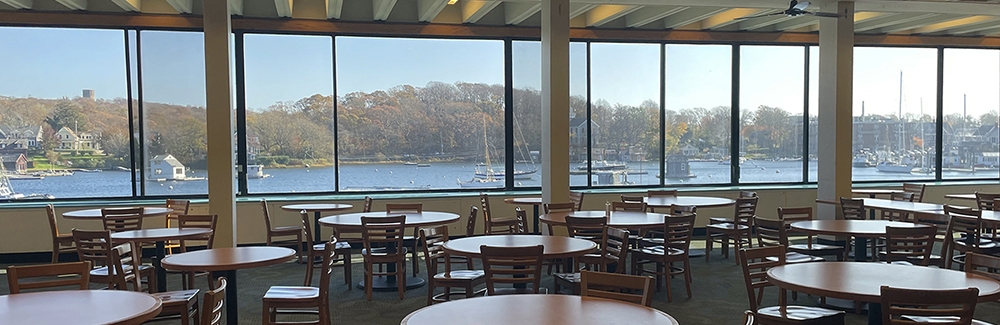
719 296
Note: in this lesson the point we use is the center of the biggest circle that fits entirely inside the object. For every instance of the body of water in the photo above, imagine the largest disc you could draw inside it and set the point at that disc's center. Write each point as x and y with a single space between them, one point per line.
376 177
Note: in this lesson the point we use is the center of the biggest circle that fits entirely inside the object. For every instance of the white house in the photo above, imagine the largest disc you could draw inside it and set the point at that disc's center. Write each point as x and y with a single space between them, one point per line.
689 150
166 167
20 137
70 140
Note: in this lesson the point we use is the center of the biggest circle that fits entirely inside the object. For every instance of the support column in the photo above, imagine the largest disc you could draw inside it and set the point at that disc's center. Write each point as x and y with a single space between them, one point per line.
836 73
219 113
555 101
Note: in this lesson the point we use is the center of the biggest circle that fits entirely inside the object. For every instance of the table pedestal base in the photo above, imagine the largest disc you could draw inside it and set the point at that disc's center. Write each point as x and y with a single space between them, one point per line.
383 283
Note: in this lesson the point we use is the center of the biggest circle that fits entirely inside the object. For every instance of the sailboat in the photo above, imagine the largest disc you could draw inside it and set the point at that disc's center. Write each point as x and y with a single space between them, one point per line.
489 178
901 167
7 191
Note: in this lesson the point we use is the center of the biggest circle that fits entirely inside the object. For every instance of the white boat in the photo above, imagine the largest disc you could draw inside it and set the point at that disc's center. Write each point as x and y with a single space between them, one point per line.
518 174
256 171
891 167
7 191
602 165
481 183
489 179
862 160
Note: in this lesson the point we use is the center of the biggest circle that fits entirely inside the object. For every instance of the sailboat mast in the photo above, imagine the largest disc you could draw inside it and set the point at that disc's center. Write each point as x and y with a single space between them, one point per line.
486 150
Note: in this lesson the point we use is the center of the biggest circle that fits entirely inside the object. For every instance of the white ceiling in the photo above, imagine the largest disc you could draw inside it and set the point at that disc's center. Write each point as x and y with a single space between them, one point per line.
926 17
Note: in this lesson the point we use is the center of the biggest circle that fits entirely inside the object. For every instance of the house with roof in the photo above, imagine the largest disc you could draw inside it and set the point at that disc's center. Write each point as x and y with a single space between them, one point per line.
20 137
578 138
72 140
15 161
167 168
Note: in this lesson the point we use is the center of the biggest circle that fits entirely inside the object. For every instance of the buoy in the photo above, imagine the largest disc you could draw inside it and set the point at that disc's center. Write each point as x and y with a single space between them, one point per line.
777 171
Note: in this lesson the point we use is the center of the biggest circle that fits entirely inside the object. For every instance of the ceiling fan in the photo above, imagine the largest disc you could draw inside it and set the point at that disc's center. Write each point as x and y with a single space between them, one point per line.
795 9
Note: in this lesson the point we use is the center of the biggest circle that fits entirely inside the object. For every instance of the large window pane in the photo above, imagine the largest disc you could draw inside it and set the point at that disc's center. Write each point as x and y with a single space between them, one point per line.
894 97
625 110
173 107
441 105
771 113
813 110
971 81
64 112
289 94
698 113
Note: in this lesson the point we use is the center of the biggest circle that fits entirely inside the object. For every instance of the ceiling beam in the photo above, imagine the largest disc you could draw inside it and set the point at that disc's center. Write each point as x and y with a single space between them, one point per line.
74 4
236 7
973 28
689 16
428 9
577 9
333 8
889 21
603 14
473 10
182 6
382 8
129 5
896 28
796 23
284 8
19 4
650 14
516 12
728 17
955 23
761 22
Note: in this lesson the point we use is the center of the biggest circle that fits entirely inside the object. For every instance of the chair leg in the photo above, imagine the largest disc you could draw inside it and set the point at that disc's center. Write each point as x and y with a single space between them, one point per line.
368 281
401 279
348 278
55 252
665 269
309 272
430 292
708 245
185 317
687 277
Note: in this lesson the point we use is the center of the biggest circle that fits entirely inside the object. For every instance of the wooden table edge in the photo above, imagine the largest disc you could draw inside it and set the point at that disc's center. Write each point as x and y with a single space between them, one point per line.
212 268
633 226
858 297
706 206
349 206
144 214
547 256
146 315
354 228
836 233
178 237
671 318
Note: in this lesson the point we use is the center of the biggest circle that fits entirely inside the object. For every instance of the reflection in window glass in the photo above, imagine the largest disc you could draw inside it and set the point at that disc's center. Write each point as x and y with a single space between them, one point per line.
698 113
624 112
430 119
64 121
971 79
173 108
771 114
894 99
289 113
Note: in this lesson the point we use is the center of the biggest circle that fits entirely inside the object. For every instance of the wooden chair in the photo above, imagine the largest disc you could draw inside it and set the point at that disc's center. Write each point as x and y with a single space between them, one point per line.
557 207
939 222
586 227
985 265
380 234
654 237
772 232
520 225
916 189
628 206
985 200
203 221
282 231
211 305
794 214
748 194
661 193
577 199
286 300
632 198
513 265
910 306
617 286
909 245
755 263
470 224
749 318
183 303
432 240
968 224
854 209
95 246
74 274
122 219
612 257
409 241
491 222
735 231
342 252
179 207
677 243
896 215
367 206
58 240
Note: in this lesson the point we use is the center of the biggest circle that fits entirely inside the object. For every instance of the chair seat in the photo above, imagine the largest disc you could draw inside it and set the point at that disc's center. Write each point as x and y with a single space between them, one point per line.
518 291
289 292
713 220
794 258
988 245
568 277
338 246
799 313
658 250
181 297
381 251
941 319
726 226
461 275
815 247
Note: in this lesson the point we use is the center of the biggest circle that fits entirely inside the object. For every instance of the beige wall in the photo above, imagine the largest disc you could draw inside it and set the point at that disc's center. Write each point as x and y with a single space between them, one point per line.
26 230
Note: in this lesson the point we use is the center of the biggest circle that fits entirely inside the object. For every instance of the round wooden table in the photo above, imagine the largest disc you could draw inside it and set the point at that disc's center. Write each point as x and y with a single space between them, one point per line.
963 196
872 192
351 222
863 281
160 236
619 219
81 307
317 209
225 262
698 201
534 202
555 246
537 310
860 229
96 213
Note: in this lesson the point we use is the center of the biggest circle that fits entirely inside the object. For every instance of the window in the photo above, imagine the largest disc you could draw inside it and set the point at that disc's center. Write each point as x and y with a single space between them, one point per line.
971 79
771 113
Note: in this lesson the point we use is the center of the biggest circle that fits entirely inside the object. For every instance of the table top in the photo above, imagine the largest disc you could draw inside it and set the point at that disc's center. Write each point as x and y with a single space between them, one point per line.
229 258
534 200
698 201
413 219
537 309
859 228
161 234
555 246
96 213
862 281
623 219
321 207
904 206
78 307
962 196
875 191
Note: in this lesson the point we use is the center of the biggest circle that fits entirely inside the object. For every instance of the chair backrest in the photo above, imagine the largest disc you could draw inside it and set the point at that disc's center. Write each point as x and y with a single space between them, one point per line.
770 232
53 223
521 225
382 232
661 193
432 241
755 263
93 246
678 231
577 199
966 221
484 201
267 215
512 265
470 224
909 244
614 249
631 198
617 286
179 207
367 206
960 304
205 221
558 207
985 265
746 208
75 274
329 260
749 317
985 200
122 219
586 227
793 214
916 189
404 207
306 228
679 210
211 304
748 194
628 206
853 209
895 215
124 268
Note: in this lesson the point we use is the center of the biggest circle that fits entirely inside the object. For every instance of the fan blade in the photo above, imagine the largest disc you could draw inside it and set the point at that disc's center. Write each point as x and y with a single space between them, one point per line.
758 16
801 5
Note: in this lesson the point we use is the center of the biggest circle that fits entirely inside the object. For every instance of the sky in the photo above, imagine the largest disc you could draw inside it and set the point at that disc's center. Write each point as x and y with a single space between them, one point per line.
55 63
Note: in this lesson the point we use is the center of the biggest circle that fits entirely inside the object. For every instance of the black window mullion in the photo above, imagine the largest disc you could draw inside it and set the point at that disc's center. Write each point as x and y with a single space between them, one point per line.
805 117
508 106
241 116
734 132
